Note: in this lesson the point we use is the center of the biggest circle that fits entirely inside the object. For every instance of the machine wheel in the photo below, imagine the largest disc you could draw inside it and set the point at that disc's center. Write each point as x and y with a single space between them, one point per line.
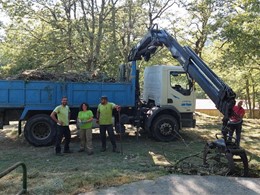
40 130
165 128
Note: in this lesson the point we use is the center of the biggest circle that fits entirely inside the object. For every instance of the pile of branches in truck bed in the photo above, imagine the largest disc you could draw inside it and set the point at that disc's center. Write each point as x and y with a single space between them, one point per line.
41 75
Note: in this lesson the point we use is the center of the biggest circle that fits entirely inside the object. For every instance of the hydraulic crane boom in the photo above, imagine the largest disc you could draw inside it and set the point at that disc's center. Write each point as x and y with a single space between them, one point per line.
219 92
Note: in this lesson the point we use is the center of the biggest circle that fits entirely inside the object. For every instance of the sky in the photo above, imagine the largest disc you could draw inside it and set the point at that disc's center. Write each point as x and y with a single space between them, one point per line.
3 20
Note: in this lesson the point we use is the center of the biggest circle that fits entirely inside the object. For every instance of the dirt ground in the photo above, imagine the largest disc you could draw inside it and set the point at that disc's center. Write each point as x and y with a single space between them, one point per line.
142 159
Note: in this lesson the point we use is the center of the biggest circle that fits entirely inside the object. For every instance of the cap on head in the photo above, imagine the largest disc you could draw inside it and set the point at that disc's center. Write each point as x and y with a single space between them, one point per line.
103 97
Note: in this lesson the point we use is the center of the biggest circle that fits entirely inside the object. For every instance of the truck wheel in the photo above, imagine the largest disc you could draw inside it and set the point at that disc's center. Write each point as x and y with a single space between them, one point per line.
165 128
40 130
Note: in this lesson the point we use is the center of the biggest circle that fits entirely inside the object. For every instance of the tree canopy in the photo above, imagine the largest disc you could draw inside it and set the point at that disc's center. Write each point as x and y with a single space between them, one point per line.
85 35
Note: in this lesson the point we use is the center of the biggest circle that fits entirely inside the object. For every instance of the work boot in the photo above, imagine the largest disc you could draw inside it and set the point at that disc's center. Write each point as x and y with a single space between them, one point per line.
59 154
81 150
115 150
67 151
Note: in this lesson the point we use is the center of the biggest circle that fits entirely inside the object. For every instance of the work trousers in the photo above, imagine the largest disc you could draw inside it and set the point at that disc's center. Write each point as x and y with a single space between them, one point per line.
110 130
62 131
238 128
86 139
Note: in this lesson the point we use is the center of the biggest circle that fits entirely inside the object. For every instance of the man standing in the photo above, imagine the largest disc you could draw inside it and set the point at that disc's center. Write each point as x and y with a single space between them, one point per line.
236 121
104 118
61 115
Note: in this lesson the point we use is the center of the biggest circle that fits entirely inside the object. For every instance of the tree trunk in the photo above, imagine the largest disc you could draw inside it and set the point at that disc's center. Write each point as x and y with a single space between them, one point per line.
67 6
253 99
248 98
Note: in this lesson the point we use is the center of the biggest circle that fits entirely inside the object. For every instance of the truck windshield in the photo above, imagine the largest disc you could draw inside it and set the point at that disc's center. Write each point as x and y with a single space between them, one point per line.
180 82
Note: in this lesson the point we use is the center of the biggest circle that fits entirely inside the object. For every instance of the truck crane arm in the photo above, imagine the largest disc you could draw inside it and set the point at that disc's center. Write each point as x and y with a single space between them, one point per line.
219 92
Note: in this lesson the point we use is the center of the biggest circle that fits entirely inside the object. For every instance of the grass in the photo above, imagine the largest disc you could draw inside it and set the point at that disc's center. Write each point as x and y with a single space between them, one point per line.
78 172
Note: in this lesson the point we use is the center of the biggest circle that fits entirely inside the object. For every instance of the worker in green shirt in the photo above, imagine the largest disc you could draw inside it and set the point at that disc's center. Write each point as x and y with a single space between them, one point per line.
85 117
61 115
104 118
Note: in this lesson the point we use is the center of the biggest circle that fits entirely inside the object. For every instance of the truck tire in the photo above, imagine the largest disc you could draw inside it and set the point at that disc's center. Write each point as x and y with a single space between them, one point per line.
40 130
165 128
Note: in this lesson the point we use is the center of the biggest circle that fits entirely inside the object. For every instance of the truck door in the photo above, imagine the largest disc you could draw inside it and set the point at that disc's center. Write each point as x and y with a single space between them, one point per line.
181 92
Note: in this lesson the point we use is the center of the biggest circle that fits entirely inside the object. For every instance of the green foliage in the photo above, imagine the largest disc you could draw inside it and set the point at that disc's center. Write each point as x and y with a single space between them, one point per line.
240 50
61 36
243 34
88 35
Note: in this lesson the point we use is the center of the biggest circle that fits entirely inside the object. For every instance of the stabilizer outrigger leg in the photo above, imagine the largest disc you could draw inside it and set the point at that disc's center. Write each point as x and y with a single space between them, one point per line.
224 147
